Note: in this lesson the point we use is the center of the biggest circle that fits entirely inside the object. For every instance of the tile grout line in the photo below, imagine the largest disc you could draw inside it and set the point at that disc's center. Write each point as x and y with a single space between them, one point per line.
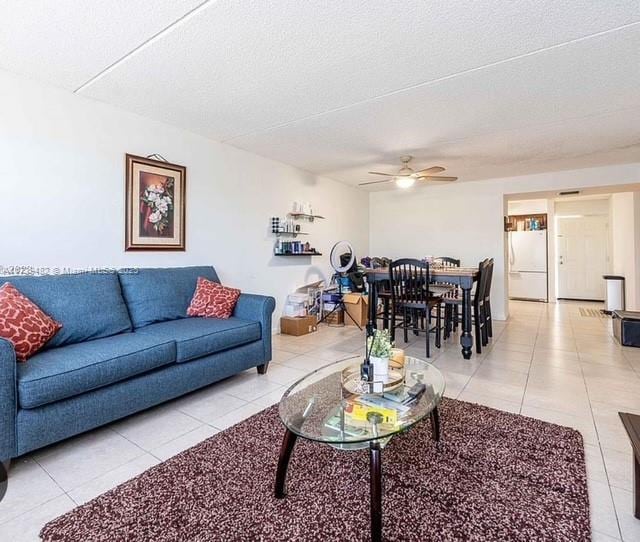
484 357
606 471
25 512
64 491
34 459
40 504
526 384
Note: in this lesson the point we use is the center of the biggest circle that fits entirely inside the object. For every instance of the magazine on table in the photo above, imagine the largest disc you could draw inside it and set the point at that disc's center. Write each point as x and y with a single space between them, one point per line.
384 402
346 425
399 395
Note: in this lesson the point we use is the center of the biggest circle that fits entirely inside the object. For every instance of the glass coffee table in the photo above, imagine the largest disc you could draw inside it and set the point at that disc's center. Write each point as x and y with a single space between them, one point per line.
328 406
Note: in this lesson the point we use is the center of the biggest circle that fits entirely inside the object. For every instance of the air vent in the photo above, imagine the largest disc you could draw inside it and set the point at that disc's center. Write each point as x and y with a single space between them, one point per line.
569 193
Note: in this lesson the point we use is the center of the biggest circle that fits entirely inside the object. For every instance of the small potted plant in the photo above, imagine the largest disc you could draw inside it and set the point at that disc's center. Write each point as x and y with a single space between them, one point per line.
379 347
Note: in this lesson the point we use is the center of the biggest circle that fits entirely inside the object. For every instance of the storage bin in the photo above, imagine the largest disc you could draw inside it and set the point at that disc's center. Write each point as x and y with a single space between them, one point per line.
626 328
296 305
614 293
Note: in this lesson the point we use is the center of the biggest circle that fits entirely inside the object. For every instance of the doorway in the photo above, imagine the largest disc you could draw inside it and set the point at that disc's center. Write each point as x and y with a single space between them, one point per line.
582 255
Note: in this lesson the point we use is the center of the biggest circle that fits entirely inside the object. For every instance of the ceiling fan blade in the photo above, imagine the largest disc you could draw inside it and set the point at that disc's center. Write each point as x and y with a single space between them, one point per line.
436 178
380 173
376 182
429 170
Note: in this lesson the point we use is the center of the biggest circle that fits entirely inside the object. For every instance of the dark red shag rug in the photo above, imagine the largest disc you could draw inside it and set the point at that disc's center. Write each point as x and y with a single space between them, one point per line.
494 476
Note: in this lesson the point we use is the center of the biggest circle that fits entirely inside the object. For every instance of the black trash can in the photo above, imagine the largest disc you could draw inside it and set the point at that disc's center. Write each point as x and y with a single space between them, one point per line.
626 328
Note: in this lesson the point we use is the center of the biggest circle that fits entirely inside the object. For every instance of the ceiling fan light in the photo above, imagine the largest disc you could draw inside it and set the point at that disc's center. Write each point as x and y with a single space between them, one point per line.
405 182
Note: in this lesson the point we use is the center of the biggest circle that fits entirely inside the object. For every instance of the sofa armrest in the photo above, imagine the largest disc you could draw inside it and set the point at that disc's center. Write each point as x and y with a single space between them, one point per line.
258 308
8 400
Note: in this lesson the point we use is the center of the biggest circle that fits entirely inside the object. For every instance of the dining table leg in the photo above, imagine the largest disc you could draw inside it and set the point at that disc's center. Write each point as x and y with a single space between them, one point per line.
373 307
466 339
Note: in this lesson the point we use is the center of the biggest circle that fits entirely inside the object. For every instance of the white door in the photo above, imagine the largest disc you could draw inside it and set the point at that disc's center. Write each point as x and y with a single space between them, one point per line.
582 254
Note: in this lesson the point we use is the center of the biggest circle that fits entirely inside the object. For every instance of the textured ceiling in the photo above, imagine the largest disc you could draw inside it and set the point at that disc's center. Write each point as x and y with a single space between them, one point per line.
486 88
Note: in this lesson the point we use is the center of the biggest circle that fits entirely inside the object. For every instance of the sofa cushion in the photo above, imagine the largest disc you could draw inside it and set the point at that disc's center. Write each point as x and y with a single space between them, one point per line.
161 294
197 337
88 305
213 300
70 370
23 323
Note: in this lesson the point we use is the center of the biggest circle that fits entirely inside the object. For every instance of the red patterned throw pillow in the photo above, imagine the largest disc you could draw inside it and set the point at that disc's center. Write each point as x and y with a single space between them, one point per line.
23 323
212 300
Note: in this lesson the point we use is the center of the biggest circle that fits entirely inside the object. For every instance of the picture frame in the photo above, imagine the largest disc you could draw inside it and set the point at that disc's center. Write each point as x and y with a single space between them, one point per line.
155 204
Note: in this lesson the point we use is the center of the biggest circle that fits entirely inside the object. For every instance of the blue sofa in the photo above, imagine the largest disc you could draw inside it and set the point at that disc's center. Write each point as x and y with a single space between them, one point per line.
126 345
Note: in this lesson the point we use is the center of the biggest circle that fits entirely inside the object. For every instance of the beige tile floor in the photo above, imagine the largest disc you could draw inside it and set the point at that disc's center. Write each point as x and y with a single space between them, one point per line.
547 361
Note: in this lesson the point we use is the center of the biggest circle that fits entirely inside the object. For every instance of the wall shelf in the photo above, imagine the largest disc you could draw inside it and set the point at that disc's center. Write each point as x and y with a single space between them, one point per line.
523 222
299 254
304 216
293 233
286 231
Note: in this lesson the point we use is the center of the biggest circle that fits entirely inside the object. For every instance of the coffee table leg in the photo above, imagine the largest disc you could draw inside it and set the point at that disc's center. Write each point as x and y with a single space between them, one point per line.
288 442
435 424
375 454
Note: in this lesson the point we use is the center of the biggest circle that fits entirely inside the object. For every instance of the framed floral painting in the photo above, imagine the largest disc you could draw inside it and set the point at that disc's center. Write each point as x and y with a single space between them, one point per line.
155 204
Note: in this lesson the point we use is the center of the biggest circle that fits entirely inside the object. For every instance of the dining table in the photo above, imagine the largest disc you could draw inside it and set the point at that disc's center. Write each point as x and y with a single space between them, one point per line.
463 277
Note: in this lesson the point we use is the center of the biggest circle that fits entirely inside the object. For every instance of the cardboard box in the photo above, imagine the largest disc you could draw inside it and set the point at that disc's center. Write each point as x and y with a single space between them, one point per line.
357 306
336 318
297 326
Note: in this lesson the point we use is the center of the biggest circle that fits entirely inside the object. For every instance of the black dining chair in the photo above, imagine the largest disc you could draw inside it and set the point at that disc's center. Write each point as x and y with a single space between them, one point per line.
447 290
383 289
446 261
487 301
478 304
411 298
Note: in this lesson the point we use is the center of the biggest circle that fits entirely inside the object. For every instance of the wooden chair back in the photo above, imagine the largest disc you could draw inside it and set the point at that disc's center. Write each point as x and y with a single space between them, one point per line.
446 261
487 293
483 276
409 283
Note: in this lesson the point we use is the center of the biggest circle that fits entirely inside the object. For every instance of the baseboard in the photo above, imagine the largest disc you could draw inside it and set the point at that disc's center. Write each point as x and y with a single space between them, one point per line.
582 300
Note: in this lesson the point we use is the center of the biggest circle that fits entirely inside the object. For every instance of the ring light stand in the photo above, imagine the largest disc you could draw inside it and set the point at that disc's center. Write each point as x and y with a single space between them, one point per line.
340 248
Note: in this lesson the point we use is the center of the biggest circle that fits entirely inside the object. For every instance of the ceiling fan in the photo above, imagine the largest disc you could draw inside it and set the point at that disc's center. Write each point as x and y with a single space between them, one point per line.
406 176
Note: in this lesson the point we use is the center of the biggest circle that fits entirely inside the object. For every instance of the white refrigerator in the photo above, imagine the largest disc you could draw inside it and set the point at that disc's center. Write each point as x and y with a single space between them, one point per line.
528 265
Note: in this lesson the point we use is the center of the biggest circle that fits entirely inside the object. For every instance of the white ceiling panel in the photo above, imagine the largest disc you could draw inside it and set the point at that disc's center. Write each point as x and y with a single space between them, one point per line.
242 67
552 92
486 88
610 138
66 42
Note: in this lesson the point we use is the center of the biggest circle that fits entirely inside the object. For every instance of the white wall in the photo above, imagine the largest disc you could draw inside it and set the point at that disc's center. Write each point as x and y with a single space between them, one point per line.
588 207
635 304
62 199
625 234
465 220
527 207
62 194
